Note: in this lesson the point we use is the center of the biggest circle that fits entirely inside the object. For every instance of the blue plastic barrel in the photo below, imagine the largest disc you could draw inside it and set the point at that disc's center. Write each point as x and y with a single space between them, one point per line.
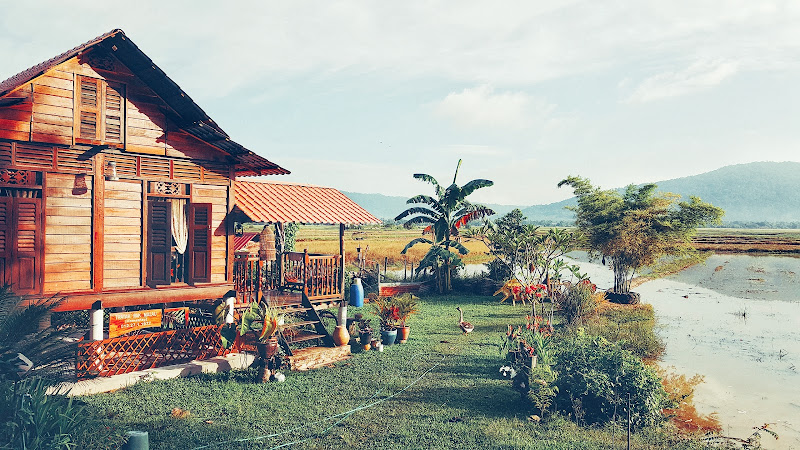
356 293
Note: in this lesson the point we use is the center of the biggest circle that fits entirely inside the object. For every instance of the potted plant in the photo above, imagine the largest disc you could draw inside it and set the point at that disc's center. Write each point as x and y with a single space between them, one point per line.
406 306
361 328
260 319
388 314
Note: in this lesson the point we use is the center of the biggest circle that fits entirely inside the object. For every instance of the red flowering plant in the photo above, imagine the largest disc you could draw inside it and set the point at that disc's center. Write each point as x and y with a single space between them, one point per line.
523 342
388 312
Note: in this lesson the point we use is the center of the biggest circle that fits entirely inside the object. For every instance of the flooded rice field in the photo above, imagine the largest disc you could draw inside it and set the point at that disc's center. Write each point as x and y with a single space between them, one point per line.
736 321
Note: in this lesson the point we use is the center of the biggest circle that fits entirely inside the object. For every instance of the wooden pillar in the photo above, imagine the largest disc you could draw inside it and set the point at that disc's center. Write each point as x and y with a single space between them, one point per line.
341 259
98 223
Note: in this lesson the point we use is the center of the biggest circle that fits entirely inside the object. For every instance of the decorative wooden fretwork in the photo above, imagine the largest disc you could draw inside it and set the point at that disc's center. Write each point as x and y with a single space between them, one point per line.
18 177
100 61
167 188
126 354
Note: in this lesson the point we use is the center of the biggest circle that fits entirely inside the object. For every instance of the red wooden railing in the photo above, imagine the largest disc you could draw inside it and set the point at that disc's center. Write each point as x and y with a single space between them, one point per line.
319 276
126 354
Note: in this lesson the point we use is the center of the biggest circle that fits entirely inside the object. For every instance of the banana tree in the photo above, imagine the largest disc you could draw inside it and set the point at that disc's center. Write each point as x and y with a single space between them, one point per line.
443 215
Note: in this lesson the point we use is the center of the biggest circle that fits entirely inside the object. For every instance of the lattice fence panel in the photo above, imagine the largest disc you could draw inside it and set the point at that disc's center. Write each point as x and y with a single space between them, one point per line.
126 354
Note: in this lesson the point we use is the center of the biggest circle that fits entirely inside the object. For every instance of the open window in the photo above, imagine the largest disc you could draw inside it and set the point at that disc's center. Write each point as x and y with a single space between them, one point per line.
179 242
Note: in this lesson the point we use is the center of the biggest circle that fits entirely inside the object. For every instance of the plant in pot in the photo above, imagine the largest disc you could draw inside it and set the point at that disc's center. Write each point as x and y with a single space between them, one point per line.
406 306
260 319
389 315
361 328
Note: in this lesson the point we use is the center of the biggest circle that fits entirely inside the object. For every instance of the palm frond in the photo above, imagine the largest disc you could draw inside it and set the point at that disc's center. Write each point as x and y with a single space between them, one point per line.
414 210
473 185
415 242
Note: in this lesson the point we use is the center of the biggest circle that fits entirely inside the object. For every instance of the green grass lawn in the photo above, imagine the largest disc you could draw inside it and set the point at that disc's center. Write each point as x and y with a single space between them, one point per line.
442 389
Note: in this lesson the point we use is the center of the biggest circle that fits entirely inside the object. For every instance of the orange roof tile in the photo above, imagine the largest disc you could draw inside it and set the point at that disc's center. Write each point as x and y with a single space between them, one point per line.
288 202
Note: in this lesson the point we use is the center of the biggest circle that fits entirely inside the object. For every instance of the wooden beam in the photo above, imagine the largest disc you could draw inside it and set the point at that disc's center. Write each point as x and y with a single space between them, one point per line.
341 258
79 302
98 222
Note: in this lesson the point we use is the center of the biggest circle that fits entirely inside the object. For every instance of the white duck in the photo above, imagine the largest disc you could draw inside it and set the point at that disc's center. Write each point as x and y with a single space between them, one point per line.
466 327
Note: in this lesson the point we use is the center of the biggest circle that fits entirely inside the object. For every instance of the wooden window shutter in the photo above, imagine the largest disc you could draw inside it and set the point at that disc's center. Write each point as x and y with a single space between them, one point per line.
5 239
159 242
88 103
114 119
27 257
199 248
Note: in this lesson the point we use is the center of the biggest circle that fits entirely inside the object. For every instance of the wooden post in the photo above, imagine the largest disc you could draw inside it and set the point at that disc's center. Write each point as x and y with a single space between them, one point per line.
98 223
279 243
341 259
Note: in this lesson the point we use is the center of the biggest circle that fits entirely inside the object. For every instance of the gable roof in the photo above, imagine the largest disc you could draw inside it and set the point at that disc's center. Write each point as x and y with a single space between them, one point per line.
185 112
289 202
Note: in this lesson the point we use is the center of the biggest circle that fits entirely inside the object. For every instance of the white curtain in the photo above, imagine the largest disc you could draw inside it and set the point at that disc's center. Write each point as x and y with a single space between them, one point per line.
180 227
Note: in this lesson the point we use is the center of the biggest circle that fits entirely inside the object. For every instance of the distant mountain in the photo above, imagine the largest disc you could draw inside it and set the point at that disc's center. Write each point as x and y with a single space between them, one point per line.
388 207
759 192
756 193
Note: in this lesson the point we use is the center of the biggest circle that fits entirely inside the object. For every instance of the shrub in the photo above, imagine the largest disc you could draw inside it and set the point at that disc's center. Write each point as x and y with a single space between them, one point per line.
596 378
631 326
578 301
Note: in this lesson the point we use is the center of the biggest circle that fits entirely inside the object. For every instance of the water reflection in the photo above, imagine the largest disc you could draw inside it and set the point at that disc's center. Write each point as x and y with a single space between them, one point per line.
739 326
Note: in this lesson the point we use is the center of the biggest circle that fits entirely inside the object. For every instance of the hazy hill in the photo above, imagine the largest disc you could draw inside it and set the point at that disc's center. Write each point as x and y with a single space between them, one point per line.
754 192
759 192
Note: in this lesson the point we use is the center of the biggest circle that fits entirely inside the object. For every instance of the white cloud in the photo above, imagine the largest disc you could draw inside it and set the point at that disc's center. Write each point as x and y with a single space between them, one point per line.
697 77
483 107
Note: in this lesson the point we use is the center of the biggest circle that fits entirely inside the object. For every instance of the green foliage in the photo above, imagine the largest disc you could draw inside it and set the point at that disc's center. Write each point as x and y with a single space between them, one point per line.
542 390
290 236
29 418
632 327
20 334
522 250
578 301
596 378
443 216
638 227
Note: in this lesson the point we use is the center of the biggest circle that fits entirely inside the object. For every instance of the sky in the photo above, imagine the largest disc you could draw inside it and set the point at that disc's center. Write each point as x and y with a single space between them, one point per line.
360 95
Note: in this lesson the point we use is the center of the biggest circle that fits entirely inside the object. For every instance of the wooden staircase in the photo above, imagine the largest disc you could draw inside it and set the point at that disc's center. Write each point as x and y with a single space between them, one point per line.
292 336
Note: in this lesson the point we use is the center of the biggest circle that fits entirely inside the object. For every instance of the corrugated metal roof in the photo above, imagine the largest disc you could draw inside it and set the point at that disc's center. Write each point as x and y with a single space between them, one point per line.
288 202
183 110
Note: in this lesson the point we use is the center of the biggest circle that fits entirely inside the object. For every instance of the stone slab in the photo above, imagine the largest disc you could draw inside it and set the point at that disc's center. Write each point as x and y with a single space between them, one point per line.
232 361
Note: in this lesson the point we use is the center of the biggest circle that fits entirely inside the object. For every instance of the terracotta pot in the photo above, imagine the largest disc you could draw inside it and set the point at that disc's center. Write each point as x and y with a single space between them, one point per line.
268 349
341 336
402 334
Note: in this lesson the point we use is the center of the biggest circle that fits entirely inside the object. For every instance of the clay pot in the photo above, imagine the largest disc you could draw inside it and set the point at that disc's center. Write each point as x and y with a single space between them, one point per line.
341 336
402 334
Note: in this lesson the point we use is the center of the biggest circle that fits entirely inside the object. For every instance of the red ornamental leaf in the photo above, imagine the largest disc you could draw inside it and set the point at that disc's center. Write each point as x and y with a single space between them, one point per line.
515 289
467 218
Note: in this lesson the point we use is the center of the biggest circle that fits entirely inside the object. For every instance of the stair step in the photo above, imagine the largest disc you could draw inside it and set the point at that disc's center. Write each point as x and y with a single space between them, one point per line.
314 357
302 336
298 324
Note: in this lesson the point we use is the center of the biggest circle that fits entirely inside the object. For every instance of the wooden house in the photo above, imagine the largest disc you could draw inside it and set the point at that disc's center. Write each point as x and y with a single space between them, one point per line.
114 185
117 190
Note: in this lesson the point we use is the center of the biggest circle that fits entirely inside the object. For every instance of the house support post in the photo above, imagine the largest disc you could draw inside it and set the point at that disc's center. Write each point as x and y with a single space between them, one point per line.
341 260
96 322
230 300
96 333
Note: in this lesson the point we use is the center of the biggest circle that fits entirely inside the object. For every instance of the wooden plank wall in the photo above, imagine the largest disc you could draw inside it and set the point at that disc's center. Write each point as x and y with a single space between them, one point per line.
122 267
218 197
68 235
